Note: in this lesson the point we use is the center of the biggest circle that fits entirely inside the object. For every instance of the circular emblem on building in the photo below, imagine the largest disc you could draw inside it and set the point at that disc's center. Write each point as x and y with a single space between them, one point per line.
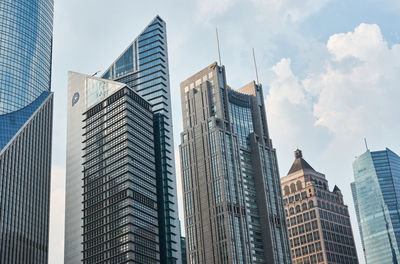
75 98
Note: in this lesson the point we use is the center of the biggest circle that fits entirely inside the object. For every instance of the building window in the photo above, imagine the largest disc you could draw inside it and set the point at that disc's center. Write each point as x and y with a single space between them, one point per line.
299 185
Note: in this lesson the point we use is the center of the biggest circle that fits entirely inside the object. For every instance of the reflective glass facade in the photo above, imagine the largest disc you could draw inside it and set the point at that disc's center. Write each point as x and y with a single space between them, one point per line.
26 105
376 194
26 28
240 114
143 66
120 223
12 122
233 203
25 189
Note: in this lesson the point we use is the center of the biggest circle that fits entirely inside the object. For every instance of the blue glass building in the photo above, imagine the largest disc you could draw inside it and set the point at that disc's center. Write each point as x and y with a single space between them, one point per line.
143 66
26 106
25 47
376 194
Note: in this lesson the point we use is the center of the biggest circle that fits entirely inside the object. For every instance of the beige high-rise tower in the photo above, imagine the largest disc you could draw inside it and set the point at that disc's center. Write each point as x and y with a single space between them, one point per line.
233 202
317 219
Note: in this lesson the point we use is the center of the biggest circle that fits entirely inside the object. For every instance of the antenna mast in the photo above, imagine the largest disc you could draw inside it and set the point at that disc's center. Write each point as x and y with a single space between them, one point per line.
366 145
219 52
94 74
255 66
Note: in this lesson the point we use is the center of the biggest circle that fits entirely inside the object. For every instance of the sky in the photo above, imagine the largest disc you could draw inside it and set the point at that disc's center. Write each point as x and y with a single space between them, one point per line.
330 70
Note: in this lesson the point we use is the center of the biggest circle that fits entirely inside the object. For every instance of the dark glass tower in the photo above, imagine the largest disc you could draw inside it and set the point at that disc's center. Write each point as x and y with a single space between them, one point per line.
143 66
26 103
111 196
376 194
233 201
120 182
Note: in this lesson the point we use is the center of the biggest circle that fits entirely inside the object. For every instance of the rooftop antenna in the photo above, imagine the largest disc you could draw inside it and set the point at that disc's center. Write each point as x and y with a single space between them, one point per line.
94 74
255 66
366 145
219 52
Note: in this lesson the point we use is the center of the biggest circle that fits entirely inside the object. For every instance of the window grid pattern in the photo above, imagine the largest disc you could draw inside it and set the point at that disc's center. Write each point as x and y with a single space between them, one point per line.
120 222
376 194
242 108
25 190
317 220
241 116
221 166
143 66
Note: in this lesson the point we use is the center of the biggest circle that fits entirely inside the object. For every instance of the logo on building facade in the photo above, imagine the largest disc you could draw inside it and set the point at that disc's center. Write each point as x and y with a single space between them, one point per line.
75 98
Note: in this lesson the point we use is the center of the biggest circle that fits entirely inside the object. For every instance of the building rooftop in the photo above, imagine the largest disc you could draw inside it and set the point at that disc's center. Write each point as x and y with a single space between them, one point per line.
299 163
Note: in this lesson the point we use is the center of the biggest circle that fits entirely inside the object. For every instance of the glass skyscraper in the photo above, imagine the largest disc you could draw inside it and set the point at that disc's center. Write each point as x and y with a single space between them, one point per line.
376 194
232 193
143 66
26 106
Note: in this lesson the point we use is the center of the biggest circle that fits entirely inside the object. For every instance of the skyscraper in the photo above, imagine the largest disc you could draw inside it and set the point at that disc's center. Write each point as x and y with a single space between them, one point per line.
233 203
26 108
317 219
376 194
143 66
110 145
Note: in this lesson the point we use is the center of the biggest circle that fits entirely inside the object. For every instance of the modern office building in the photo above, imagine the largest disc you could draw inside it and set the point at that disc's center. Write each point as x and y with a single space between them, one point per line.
183 250
26 108
110 145
143 66
317 219
232 194
183 246
376 194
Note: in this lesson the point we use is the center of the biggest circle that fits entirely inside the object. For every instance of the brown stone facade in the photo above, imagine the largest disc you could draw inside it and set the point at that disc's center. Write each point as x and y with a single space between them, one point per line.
318 221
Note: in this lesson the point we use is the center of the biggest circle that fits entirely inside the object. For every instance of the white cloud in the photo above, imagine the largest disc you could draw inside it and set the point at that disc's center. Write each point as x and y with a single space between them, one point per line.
208 9
290 117
365 93
284 10
57 212
290 10
357 88
365 43
286 85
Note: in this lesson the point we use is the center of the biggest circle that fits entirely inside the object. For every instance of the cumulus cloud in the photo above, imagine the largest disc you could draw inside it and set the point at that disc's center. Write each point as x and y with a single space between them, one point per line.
366 92
290 10
286 10
208 9
290 116
286 85
358 87
365 43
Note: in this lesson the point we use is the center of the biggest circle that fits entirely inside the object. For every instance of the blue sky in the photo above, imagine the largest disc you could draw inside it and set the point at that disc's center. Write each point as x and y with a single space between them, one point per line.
330 71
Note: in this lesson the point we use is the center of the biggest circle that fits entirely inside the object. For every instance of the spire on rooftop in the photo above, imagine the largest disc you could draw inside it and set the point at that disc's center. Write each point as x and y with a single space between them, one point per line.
299 163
